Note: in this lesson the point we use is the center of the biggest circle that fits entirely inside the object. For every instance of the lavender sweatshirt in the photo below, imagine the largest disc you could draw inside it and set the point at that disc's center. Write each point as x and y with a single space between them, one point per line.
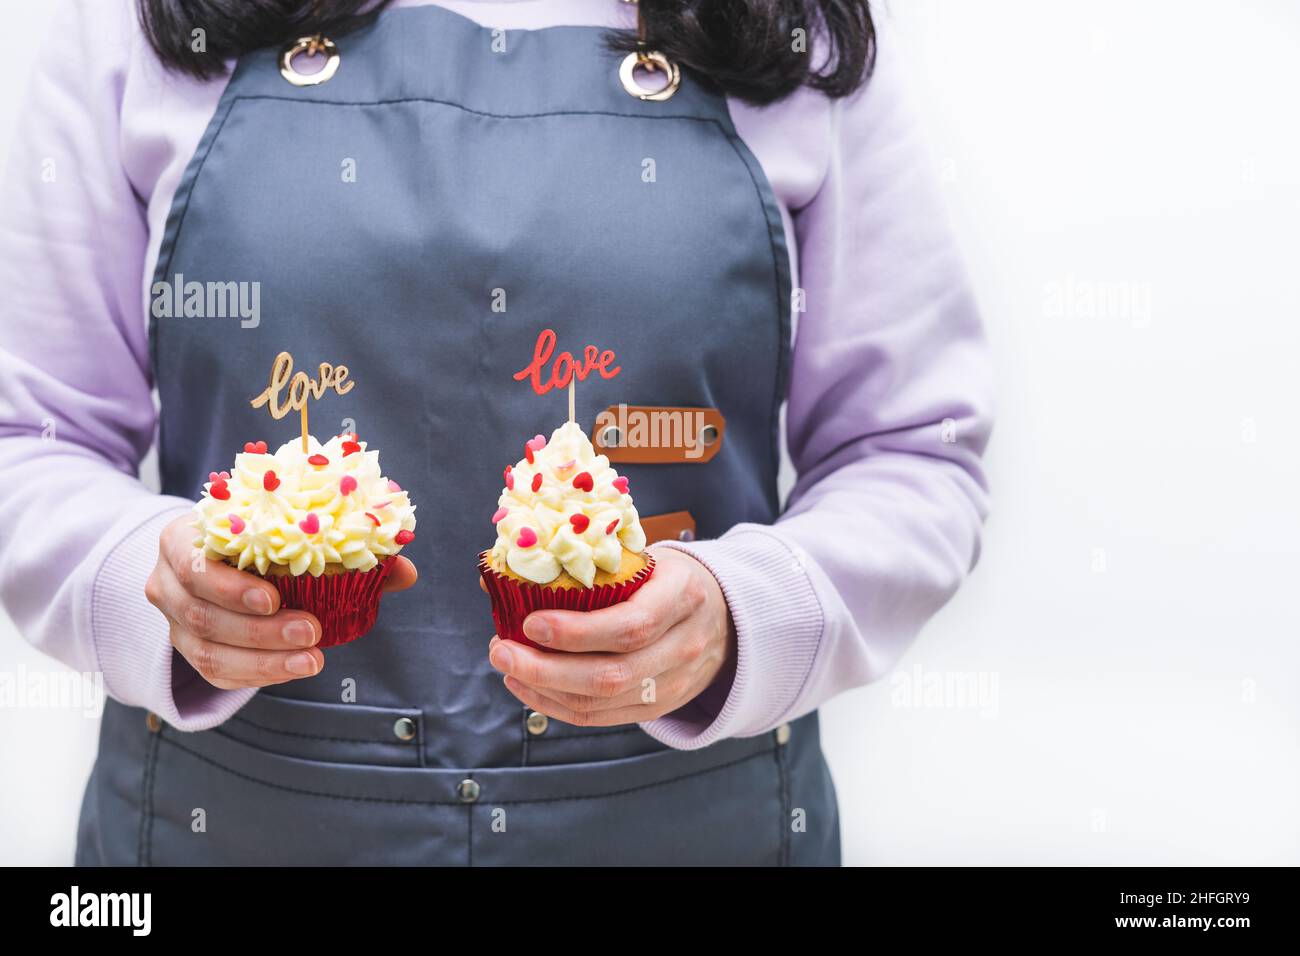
887 417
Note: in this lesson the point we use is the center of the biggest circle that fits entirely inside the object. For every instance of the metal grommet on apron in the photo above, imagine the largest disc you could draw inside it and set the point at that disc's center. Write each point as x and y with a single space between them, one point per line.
404 728
310 46
651 60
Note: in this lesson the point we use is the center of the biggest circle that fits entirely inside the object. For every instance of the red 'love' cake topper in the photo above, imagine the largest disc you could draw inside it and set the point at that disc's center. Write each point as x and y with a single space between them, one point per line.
565 368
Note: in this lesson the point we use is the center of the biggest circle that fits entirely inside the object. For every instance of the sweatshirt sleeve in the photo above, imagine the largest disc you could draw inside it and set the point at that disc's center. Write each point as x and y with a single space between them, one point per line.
78 530
888 415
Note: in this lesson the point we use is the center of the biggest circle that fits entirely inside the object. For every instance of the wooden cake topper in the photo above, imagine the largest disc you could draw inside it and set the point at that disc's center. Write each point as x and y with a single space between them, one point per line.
300 388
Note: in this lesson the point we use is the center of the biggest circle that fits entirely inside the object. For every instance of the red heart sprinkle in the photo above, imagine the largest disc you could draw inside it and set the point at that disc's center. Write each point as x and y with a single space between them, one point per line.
510 479
236 524
219 490
527 538
404 536
270 482
621 484
347 485
528 452
537 482
350 447
499 514
583 481
580 523
373 518
612 525
255 447
320 461
310 524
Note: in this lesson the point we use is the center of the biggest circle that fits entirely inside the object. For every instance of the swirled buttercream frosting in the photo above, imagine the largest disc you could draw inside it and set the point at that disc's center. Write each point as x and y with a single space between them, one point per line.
564 510
325 509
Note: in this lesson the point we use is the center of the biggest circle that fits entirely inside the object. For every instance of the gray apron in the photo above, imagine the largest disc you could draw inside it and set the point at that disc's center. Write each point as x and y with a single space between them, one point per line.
476 170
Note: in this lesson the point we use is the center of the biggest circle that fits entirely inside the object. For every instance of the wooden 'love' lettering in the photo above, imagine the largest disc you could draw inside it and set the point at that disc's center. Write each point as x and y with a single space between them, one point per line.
565 367
300 387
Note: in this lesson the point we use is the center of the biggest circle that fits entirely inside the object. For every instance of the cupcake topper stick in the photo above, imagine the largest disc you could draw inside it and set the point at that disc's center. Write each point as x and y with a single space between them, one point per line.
571 381
300 389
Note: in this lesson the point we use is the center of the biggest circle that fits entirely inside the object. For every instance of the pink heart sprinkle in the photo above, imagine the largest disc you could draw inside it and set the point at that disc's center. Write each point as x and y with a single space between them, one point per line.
310 524
539 442
213 476
527 538
510 479
571 463
499 514
621 484
347 485
225 475
382 504
393 486
236 524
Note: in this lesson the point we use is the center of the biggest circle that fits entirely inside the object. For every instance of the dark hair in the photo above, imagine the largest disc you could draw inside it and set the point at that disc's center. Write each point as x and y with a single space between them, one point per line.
749 48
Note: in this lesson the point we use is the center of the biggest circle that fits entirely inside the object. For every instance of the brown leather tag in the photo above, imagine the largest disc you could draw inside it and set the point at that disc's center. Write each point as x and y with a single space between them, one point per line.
672 526
658 434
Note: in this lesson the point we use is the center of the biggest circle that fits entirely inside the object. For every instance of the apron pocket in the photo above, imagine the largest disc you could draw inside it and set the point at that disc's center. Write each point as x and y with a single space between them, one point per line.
550 742
334 733
722 806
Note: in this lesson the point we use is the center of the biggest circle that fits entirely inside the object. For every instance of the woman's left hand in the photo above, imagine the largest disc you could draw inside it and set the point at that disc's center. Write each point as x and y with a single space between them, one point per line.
632 662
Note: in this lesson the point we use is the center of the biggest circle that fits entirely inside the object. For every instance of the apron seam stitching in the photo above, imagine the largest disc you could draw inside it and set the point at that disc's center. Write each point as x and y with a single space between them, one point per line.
453 803
297 733
144 850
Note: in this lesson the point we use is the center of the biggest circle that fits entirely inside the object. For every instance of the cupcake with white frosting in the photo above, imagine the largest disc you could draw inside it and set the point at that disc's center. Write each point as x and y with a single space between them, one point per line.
323 525
568 534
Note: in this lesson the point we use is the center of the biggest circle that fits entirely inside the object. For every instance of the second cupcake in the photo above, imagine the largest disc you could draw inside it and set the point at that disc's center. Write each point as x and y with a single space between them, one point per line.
568 534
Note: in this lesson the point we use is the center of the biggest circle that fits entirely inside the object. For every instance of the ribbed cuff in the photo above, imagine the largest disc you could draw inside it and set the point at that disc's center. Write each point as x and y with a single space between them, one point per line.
778 622
140 666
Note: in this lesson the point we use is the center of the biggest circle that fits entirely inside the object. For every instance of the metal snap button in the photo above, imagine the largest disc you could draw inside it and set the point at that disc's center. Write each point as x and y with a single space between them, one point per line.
468 791
153 722
611 436
311 46
537 723
686 534
783 734
404 728
708 435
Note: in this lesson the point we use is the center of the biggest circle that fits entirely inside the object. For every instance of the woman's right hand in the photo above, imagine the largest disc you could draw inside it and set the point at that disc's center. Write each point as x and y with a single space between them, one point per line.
228 623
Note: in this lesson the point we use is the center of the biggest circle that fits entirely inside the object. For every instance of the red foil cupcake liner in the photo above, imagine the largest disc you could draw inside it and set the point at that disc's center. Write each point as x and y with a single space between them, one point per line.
345 604
514 600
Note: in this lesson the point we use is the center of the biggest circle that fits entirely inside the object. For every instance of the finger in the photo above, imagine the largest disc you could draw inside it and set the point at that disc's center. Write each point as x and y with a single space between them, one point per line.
218 582
552 708
625 627
402 576
669 686
230 667
285 630
594 675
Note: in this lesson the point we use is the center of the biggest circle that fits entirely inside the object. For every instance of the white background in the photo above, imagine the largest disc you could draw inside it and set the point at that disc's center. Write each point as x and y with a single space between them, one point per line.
1125 178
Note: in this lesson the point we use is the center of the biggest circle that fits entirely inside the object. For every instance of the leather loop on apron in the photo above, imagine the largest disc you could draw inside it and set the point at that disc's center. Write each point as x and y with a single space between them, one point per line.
658 434
674 526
